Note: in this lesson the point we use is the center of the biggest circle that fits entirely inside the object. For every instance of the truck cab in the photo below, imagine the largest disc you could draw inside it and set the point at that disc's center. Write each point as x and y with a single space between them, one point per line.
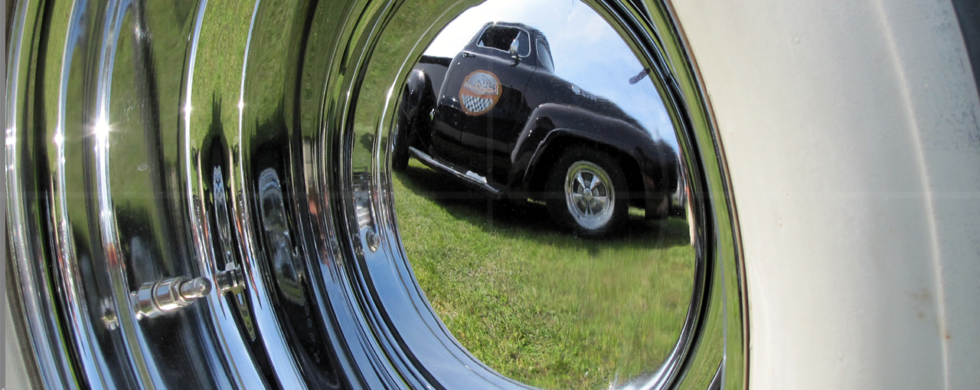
482 106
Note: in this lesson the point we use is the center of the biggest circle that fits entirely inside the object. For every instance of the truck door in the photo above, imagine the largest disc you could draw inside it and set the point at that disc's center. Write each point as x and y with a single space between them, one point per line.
482 102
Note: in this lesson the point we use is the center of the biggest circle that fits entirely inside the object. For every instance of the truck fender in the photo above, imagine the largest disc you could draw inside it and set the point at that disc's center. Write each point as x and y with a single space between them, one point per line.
552 125
419 98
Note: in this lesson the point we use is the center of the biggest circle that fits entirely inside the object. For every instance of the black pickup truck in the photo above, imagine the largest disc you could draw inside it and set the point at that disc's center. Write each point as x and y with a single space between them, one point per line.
497 117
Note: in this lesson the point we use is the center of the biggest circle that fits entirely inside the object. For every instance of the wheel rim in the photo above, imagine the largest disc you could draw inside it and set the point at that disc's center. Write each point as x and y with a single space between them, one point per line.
274 142
589 194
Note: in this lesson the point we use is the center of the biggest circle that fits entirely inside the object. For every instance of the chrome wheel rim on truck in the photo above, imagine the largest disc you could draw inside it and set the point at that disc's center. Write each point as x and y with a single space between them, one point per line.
589 194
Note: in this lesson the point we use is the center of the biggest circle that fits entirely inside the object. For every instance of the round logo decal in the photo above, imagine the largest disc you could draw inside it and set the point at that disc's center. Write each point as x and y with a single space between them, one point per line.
480 92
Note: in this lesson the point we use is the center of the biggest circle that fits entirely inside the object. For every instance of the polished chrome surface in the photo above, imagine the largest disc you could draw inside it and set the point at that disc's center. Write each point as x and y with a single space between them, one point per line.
109 318
168 295
33 287
95 365
230 280
245 145
589 194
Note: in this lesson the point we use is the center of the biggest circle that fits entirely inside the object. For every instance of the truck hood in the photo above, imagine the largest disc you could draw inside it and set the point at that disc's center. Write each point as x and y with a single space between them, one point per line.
565 92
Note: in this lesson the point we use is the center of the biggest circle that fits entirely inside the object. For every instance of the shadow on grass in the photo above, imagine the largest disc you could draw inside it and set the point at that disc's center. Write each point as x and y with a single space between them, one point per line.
531 220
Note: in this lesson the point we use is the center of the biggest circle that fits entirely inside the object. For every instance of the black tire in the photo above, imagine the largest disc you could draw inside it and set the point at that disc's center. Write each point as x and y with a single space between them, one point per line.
607 181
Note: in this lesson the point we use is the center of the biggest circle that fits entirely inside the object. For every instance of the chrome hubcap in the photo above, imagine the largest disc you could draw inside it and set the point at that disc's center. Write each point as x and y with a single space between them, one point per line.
264 184
589 195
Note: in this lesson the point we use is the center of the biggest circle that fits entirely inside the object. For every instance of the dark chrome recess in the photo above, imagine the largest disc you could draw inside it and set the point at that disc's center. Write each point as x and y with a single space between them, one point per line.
233 159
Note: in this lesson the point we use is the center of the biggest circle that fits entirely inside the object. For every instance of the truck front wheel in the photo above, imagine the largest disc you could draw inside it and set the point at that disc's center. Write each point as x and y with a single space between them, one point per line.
587 192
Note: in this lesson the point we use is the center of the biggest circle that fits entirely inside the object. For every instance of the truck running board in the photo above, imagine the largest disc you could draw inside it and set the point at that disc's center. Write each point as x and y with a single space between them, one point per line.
467 176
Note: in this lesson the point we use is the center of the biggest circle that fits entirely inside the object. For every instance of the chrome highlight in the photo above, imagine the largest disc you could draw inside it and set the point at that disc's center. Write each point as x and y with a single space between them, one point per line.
94 365
168 295
135 343
30 285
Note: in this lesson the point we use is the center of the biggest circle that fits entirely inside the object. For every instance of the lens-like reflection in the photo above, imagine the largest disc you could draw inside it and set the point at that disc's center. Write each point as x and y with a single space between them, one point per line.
539 196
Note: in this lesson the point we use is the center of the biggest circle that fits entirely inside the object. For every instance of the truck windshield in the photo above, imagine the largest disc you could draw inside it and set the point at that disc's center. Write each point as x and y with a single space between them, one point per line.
500 38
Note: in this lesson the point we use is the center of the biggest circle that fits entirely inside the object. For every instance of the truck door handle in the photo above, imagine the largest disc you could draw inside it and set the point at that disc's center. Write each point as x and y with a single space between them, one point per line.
468 54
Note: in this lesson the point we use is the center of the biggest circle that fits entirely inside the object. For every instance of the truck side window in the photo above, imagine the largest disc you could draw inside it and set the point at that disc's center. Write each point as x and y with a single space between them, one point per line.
500 38
544 55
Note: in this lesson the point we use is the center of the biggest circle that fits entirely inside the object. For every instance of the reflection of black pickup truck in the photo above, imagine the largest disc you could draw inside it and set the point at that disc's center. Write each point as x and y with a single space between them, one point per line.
497 117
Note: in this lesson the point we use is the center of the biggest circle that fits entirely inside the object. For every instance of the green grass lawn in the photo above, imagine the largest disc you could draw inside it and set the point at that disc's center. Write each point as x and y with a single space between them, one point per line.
537 303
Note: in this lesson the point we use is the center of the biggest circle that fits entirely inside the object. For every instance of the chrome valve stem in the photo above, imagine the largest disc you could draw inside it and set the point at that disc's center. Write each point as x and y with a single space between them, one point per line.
168 295
230 280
